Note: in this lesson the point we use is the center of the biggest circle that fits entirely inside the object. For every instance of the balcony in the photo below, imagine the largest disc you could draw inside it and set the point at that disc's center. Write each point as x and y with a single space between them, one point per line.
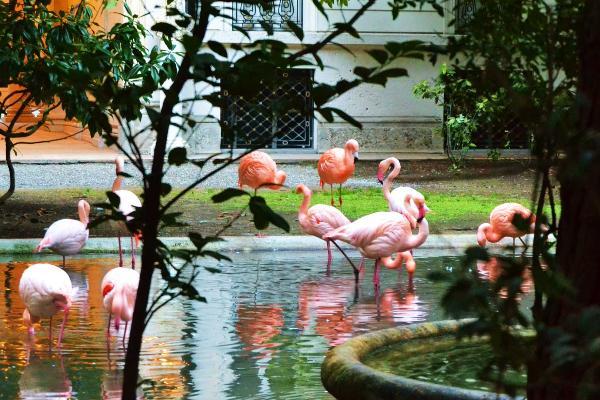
463 13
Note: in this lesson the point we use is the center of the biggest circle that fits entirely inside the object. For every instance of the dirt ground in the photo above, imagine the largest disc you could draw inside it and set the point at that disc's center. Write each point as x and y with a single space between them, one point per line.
29 212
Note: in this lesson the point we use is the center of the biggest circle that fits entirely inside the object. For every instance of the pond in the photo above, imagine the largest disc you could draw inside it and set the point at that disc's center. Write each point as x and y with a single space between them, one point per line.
269 319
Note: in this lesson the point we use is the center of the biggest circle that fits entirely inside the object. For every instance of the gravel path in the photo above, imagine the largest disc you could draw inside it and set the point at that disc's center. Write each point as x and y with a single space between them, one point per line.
101 175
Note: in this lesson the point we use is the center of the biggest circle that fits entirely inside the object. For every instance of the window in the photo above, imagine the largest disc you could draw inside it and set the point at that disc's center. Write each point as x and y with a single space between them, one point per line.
254 17
255 121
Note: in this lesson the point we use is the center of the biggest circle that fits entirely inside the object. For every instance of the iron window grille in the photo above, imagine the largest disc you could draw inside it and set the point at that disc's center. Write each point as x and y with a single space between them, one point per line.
257 120
464 11
274 13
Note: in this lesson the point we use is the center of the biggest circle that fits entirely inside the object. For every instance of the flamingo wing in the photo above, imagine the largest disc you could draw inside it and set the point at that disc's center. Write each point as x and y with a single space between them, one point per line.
324 219
41 285
331 167
66 237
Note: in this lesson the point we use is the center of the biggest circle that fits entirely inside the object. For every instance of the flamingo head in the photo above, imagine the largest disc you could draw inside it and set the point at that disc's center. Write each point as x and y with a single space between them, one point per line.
44 244
411 266
119 164
481 237
302 189
352 147
422 207
280 177
62 302
137 235
29 320
83 208
385 167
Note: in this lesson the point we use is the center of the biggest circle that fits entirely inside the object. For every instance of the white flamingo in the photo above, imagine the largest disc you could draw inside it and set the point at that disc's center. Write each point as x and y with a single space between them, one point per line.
45 289
119 289
68 236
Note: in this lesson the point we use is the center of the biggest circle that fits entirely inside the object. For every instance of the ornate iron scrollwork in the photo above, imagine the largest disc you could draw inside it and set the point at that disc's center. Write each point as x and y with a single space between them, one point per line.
276 14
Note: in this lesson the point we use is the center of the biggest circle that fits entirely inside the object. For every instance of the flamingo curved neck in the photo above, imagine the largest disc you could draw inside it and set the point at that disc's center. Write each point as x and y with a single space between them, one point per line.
418 239
348 155
84 214
490 235
387 182
305 203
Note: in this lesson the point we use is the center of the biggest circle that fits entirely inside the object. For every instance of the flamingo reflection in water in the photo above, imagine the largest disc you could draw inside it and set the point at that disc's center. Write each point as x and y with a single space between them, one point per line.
325 304
401 305
257 325
493 268
44 378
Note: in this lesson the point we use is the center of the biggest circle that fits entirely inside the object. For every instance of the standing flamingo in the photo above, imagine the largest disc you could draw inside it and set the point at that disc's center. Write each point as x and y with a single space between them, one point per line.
403 199
45 290
68 236
336 165
127 205
319 219
502 224
257 170
379 235
119 289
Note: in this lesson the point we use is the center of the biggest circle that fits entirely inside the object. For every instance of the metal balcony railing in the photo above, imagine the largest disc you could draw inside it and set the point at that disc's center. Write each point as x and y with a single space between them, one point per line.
274 13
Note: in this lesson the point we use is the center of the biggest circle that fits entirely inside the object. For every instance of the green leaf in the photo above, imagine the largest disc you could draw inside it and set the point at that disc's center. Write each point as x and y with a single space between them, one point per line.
297 30
200 241
217 47
363 72
178 156
228 194
263 215
164 28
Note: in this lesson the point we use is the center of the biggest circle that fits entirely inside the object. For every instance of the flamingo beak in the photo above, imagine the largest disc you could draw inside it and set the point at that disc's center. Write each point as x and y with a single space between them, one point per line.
355 157
138 237
380 177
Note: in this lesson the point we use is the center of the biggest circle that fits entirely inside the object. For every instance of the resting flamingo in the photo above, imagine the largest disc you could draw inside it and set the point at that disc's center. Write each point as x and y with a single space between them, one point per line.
501 224
396 263
68 236
127 205
45 290
379 235
119 289
336 165
403 199
319 219
257 169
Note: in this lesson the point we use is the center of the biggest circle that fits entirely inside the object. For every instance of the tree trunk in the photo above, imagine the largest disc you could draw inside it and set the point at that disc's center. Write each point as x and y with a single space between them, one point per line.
578 253
11 171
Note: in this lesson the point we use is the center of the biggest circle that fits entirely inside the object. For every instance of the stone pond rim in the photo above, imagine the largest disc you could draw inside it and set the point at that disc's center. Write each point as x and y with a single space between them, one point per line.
347 378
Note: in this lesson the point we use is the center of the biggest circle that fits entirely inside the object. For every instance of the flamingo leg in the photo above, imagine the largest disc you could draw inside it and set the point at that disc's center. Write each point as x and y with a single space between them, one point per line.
50 332
332 202
120 251
108 326
524 244
340 195
329 256
62 327
132 253
376 275
361 266
64 264
349 260
125 333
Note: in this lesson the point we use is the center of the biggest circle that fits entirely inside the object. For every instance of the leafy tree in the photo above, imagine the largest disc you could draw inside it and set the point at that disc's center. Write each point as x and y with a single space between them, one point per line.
216 72
554 48
62 60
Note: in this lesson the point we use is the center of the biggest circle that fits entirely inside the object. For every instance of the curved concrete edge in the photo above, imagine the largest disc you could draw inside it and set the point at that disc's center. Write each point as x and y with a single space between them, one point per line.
347 378
96 245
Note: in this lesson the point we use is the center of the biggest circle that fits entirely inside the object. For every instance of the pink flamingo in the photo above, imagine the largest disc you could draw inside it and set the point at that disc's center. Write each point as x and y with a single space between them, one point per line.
396 263
45 290
119 289
319 219
501 224
379 235
127 205
68 236
403 199
257 170
336 165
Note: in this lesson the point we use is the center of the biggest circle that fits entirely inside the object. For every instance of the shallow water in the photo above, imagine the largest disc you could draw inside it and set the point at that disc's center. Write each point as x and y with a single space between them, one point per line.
269 320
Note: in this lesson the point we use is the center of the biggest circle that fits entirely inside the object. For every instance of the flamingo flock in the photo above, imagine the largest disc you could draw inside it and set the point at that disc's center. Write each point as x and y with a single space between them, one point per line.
387 237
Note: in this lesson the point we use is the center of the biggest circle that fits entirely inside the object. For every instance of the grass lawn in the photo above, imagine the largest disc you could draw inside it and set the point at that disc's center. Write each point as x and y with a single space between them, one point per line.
29 212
